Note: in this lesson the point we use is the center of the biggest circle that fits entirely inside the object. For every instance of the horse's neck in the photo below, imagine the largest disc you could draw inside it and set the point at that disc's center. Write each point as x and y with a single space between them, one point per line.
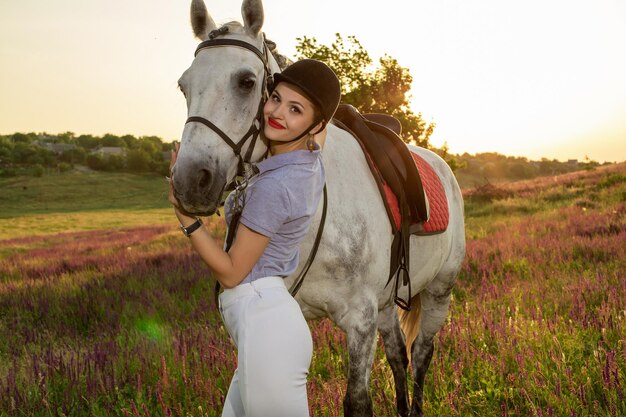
342 153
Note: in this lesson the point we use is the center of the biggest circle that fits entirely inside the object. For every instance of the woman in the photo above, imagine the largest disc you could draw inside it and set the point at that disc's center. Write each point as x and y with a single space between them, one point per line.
266 324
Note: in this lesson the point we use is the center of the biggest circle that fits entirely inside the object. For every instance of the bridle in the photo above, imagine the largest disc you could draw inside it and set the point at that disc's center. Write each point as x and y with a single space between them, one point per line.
257 123
253 132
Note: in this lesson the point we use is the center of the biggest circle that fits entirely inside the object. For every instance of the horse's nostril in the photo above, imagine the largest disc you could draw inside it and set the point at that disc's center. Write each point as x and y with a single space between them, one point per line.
204 179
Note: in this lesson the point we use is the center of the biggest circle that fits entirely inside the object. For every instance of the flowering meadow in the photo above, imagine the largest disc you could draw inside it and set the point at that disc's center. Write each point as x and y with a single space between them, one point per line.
121 321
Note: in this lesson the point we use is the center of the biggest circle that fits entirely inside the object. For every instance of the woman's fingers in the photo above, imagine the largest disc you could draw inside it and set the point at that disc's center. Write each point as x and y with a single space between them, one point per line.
174 154
171 196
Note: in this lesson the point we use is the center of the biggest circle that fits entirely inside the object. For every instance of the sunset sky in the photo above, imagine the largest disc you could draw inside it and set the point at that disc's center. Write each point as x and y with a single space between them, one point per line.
534 78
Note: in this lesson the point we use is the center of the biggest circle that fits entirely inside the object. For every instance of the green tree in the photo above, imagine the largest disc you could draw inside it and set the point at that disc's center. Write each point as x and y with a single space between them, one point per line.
21 138
67 137
138 160
6 153
454 162
87 142
520 169
151 147
96 162
161 167
73 156
22 152
114 163
131 141
384 89
112 140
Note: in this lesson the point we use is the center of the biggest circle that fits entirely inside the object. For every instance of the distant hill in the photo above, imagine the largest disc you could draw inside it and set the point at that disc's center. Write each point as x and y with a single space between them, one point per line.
581 179
490 167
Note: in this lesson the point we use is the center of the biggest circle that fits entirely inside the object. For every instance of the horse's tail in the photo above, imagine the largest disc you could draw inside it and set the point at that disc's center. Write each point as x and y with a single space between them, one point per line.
410 322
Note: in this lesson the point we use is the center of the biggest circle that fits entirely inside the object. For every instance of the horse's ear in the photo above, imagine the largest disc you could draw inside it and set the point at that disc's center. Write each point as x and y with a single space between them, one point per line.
252 13
201 21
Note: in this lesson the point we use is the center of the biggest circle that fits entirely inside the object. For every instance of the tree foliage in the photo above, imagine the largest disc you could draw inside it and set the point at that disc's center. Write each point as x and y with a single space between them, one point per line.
24 153
492 167
383 89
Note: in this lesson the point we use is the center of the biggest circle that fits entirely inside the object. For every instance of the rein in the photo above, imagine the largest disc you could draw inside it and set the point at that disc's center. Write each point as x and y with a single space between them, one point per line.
295 287
298 282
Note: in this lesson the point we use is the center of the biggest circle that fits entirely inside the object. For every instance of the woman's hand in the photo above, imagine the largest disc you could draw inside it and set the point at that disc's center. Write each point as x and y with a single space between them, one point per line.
228 268
184 218
172 197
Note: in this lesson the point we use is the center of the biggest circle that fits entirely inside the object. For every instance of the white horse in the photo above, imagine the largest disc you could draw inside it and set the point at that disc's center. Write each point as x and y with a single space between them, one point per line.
224 87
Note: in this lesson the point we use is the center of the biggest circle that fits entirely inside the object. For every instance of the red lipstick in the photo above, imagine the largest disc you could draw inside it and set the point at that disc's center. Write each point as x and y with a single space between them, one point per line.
273 123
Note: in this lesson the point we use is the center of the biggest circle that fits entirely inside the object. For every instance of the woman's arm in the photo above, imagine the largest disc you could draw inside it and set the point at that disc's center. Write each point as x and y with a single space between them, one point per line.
231 267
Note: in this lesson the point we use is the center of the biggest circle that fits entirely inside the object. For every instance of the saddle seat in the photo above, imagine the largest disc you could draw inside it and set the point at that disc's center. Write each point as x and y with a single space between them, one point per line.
386 120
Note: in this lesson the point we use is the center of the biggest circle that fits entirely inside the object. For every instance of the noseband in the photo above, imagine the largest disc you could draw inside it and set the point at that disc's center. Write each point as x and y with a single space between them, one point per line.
255 127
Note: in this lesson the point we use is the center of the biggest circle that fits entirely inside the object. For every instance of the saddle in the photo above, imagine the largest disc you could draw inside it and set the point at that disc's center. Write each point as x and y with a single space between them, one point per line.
392 165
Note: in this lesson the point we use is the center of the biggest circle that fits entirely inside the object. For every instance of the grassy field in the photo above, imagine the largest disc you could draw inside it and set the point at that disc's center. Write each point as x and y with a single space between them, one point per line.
80 201
105 310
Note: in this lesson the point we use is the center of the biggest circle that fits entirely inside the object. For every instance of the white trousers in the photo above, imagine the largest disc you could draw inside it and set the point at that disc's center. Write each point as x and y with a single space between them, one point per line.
274 349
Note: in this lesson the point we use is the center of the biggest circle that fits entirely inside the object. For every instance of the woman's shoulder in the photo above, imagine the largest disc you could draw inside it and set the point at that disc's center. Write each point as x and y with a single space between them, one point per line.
284 173
272 183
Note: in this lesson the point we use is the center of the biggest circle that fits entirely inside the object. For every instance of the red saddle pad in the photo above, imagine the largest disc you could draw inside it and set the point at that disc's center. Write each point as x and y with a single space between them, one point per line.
439 213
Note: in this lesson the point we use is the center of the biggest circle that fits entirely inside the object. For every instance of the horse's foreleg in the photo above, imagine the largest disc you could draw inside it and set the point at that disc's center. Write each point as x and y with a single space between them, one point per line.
433 316
395 349
360 327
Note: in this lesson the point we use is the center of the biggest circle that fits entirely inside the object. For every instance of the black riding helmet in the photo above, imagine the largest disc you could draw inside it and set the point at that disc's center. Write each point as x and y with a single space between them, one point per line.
318 82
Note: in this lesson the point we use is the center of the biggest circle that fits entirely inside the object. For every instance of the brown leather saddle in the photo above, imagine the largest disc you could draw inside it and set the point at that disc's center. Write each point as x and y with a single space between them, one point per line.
388 156
391 162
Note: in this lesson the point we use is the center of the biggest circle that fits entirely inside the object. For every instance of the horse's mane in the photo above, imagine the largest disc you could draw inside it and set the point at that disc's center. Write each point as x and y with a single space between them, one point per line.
282 60
236 27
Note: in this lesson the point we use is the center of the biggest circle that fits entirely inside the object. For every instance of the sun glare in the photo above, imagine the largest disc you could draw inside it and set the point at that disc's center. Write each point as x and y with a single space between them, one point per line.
494 76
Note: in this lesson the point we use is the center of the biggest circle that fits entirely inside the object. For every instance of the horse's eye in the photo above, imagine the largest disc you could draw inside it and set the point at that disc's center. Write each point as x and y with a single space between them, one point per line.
246 83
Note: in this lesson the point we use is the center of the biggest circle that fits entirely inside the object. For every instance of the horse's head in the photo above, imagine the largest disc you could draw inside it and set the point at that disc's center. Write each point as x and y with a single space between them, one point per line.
224 88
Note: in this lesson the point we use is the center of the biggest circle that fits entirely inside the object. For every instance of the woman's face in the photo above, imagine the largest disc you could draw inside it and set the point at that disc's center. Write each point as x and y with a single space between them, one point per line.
287 113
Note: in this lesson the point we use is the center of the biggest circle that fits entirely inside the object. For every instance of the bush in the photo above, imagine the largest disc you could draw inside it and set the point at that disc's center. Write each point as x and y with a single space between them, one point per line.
114 163
95 162
138 160
8 172
38 170
488 193
64 167
73 156
162 168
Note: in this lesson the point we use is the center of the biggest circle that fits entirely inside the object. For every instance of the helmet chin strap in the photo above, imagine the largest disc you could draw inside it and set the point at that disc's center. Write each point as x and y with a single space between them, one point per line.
306 132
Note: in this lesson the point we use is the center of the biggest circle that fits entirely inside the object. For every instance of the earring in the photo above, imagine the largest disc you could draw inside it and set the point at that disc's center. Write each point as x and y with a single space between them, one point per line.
310 143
